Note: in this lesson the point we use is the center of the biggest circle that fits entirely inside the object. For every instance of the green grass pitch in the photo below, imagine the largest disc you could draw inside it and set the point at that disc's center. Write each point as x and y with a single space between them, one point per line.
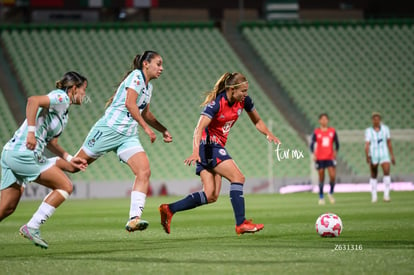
88 237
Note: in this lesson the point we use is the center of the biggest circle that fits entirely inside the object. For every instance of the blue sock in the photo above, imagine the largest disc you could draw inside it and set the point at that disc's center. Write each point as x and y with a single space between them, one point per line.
321 190
191 201
237 201
332 184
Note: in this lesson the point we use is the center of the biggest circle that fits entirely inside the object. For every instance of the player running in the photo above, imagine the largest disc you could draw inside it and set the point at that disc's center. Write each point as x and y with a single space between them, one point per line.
378 150
22 159
117 131
223 106
324 155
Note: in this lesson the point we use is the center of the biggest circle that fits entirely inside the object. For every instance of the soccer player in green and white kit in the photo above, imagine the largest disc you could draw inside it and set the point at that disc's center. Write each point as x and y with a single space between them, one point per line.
22 159
117 131
378 150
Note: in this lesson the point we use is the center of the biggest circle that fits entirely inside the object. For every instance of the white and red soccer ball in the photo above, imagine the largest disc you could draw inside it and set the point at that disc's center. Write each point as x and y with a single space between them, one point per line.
329 225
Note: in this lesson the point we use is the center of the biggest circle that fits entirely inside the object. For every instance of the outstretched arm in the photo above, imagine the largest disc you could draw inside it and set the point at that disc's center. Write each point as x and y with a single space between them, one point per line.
203 122
131 105
261 127
154 123
56 149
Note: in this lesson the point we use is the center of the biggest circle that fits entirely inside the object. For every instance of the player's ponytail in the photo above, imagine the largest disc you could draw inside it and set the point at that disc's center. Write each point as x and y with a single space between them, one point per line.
136 65
69 80
227 80
219 87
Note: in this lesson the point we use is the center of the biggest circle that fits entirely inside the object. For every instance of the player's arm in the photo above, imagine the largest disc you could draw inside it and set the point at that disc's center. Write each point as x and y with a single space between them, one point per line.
154 123
261 126
312 146
131 105
336 143
203 122
391 151
368 157
54 147
367 144
33 105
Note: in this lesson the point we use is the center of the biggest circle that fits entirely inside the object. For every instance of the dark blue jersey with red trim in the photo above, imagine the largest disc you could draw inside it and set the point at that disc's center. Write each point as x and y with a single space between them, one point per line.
223 115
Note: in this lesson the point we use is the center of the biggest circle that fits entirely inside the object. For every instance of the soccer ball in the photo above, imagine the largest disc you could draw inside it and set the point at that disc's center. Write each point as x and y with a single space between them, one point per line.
329 225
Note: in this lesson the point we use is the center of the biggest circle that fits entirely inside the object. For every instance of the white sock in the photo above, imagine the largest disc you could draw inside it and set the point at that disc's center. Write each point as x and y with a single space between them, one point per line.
373 183
44 212
387 185
137 204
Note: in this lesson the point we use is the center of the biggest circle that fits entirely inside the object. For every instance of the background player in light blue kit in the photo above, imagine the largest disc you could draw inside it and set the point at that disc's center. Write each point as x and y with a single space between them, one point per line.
22 159
117 130
378 150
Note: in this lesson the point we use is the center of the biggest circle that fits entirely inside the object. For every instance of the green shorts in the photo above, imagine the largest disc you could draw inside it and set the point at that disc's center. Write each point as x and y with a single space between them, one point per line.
102 139
22 167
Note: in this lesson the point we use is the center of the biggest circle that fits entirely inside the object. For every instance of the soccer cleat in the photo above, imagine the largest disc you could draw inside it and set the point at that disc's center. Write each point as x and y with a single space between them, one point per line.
135 223
331 198
33 235
166 217
387 199
321 202
248 227
374 197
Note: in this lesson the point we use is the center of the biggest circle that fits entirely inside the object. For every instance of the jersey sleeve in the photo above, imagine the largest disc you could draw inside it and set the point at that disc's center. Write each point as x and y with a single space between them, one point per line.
248 104
211 109
134 81
367 135
59 101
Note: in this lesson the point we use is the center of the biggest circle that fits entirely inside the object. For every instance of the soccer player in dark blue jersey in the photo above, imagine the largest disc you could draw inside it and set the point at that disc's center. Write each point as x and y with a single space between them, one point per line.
223 106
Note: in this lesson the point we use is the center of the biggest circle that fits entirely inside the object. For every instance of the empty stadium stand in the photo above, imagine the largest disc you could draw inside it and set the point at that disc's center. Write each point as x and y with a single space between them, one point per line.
194 57
348 70
7 125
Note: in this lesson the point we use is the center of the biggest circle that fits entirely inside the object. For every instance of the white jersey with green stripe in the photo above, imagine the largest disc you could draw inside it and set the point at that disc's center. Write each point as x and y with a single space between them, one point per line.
49 123
378 147
116 115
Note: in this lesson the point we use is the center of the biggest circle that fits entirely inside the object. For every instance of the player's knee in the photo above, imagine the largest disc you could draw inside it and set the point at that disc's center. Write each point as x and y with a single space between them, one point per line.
66 189
4 213
143 173
239 178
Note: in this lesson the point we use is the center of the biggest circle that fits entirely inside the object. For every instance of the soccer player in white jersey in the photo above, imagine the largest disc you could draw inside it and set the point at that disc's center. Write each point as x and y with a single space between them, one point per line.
117 131
22 159
378 150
